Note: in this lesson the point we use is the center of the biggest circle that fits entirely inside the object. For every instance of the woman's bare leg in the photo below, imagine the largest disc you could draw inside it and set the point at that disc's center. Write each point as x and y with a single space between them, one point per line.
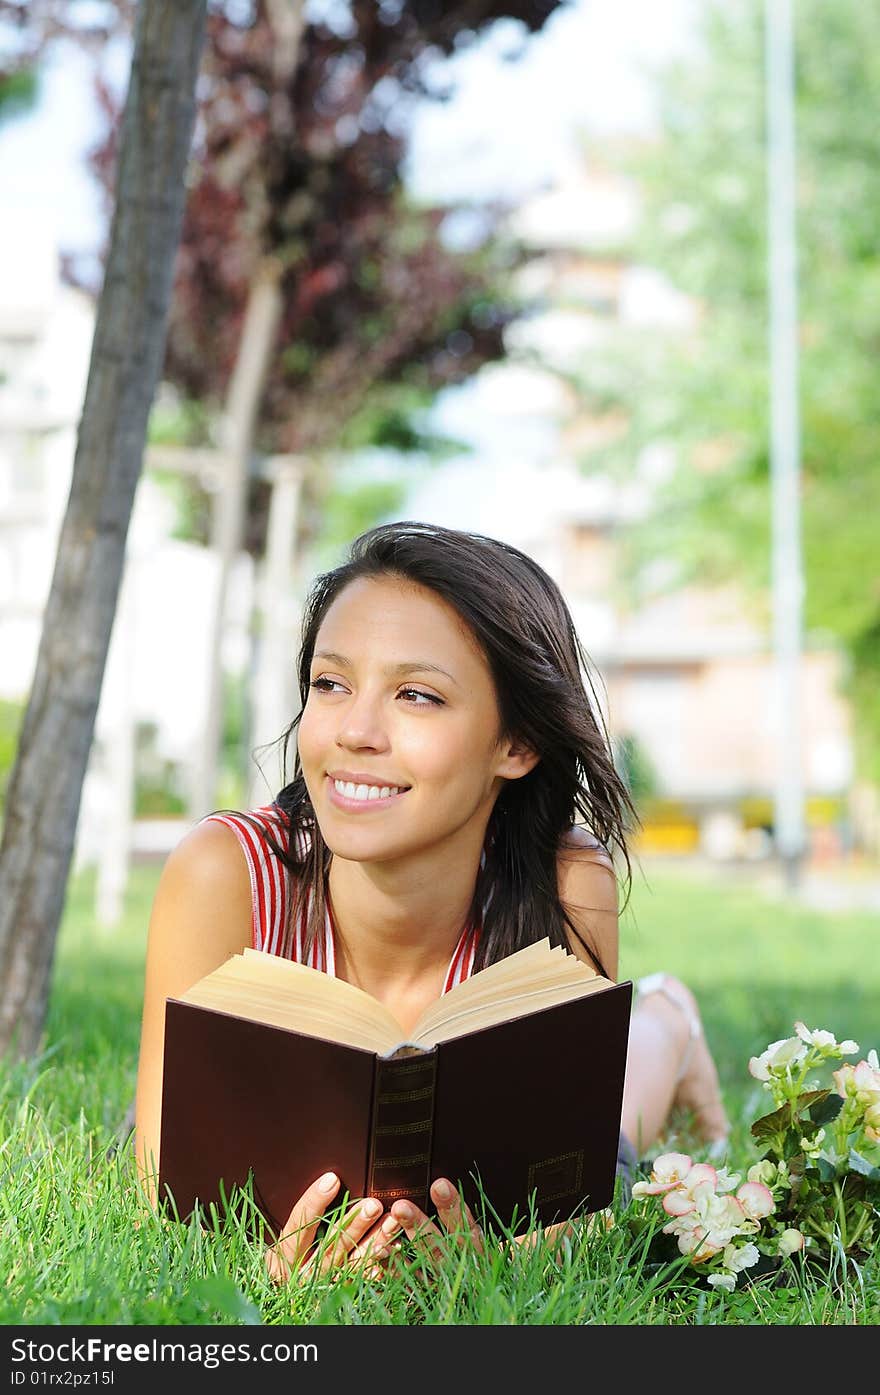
669 1069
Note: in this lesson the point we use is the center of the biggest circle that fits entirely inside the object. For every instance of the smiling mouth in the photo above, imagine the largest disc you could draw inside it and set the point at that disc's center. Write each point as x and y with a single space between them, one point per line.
366 794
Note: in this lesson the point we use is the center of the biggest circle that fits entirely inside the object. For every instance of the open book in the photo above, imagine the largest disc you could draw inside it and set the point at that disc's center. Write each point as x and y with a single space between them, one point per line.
513 1080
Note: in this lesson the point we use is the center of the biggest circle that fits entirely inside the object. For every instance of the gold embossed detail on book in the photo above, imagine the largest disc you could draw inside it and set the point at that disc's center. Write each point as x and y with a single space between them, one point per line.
397 1115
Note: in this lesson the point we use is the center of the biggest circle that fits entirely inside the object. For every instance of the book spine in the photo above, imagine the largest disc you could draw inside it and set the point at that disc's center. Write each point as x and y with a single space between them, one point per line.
402 1126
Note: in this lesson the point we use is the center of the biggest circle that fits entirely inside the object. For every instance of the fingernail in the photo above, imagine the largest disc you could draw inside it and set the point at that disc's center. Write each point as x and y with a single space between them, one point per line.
390 1225
404 1211
327 1182
443 1191
371 1207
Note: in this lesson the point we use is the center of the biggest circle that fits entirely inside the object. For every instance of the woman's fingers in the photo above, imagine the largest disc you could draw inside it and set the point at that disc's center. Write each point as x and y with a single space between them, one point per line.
358 1238
405 1218
298 1236
454 1213
344 1245
415 1225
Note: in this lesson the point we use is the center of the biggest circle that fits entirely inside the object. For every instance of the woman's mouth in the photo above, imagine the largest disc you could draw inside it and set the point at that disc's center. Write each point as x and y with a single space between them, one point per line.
345 794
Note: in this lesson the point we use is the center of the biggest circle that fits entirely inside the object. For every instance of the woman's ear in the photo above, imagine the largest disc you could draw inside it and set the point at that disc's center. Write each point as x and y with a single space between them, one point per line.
517 759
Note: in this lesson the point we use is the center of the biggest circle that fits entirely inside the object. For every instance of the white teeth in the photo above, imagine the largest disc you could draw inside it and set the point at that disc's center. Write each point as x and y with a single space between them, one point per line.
365 792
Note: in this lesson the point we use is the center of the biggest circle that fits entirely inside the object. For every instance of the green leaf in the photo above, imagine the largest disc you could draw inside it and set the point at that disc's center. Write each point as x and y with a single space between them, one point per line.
861 1165
823 1111
825 1167
811 1098
224 1295
774 1123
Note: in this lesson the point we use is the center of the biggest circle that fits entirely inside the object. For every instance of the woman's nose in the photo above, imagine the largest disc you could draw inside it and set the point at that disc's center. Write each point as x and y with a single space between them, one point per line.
361 723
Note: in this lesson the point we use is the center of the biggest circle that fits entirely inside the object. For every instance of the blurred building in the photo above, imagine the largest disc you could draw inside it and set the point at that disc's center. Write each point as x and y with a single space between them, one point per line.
155 683
686 676
45 336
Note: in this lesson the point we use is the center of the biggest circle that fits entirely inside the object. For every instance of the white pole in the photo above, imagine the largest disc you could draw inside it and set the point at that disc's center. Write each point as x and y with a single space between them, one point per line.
788 586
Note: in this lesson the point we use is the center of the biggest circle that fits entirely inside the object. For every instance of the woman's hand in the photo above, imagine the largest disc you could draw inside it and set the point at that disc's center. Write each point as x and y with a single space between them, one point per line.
348 1244
405 1218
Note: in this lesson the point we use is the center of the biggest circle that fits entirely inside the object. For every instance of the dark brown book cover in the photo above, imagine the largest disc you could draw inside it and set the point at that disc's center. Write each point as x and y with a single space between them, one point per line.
530 1107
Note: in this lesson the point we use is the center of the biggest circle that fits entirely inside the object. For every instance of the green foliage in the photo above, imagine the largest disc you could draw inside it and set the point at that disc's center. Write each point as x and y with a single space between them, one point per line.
636 768
703 184
392 418
232 774
350 508
157 792
11 715
18 92
180 421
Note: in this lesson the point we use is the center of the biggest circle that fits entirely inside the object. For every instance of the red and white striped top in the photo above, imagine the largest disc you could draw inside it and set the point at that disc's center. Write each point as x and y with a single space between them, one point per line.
271 895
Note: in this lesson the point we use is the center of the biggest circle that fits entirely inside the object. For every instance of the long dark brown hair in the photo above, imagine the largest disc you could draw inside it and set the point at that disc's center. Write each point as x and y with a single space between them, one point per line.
546 698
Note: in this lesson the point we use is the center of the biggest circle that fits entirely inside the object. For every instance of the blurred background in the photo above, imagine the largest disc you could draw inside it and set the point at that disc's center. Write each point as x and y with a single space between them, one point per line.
508 270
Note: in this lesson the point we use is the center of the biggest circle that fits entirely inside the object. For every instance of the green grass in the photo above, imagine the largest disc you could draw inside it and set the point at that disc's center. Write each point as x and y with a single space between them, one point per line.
77 1245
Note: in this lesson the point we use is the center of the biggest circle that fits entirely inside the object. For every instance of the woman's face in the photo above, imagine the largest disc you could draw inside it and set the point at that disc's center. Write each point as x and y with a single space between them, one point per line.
399 739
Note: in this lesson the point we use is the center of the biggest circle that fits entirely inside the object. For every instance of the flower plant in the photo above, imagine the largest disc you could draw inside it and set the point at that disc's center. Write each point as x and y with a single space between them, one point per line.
814 1190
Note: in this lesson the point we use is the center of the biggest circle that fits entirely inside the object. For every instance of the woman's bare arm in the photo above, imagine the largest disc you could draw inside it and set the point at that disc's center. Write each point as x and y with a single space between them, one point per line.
201 915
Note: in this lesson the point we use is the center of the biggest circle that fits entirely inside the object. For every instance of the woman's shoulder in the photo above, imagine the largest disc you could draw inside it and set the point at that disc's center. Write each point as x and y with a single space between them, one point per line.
587 885
208 853
202 907
260 831
579 844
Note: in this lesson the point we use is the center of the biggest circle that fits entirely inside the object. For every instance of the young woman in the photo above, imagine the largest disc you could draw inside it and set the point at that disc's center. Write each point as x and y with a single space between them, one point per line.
453 799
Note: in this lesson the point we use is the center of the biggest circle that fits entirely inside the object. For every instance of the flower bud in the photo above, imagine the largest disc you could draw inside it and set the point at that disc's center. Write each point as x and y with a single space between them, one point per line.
790 1241
763 1172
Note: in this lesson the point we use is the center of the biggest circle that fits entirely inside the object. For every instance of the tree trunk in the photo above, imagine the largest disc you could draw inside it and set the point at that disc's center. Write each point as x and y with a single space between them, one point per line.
44 795
243 404
262 317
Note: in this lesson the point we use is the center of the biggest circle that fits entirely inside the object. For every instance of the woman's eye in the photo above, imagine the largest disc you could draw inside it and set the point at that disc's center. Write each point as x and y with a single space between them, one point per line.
323 685
426 697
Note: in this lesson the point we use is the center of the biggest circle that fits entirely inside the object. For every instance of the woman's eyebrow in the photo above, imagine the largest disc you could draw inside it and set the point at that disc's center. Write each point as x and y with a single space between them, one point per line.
407 666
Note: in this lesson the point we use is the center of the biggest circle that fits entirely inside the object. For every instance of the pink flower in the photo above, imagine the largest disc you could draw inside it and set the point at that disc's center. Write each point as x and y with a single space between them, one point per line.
688 1230
700 1173
756 1200
872 1123
668 1171
710 1226
860 1082
678 1203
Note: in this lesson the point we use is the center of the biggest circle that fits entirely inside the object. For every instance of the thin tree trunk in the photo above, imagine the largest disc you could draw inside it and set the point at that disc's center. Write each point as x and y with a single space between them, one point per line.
46 786
262 316
243 404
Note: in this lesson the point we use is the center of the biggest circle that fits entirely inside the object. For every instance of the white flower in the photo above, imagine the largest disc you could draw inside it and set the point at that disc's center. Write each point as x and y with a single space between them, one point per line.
818 1037
726 1181
849 1047
873 1062
738 1259
725 1281
778 1056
